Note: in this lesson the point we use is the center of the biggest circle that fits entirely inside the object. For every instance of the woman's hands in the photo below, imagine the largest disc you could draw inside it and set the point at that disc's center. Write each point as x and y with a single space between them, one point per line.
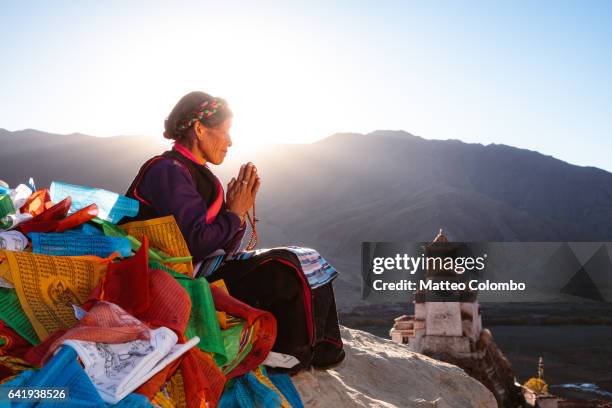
241 192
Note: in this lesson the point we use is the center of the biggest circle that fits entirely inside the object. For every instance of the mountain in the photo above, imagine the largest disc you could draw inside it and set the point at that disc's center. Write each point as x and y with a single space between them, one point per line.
349 188
109 163
392 186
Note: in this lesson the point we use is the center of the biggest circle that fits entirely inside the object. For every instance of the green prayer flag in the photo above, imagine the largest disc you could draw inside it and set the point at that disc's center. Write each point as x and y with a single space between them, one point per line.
203 320
231 340
224 344
12 314
6 205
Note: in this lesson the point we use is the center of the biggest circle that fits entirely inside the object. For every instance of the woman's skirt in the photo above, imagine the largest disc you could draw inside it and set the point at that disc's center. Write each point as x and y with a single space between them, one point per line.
295 285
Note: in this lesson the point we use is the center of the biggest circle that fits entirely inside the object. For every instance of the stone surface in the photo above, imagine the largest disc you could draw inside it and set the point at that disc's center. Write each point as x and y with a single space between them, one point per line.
380 373
420 312
454 345
443 319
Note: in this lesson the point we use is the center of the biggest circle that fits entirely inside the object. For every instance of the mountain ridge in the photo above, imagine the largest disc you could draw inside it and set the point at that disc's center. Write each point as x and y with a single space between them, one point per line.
376 133
350 187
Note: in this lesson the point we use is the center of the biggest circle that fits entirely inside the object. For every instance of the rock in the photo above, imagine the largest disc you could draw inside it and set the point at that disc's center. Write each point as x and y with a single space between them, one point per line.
381 373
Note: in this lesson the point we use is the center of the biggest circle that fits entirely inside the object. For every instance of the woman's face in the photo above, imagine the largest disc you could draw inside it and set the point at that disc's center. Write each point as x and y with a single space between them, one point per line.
213 143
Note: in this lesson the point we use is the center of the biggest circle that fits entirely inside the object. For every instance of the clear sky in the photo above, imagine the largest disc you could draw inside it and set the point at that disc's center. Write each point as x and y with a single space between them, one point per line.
532 74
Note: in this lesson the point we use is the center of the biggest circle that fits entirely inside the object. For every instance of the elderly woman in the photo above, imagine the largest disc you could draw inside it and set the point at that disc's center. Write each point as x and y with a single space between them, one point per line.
292 283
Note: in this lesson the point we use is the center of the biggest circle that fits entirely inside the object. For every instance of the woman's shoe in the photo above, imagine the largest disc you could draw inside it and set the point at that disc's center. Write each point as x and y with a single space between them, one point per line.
326 356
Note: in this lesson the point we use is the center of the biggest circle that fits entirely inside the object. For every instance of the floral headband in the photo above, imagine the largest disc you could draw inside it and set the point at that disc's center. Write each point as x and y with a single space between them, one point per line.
207 109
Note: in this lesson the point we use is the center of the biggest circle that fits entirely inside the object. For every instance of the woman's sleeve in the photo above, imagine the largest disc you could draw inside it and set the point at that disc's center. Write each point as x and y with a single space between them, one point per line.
169 188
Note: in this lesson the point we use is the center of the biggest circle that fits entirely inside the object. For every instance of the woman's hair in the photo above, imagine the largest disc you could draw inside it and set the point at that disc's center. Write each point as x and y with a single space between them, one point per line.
210 111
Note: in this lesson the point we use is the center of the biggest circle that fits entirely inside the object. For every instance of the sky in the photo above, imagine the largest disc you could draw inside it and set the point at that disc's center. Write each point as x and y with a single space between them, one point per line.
531 74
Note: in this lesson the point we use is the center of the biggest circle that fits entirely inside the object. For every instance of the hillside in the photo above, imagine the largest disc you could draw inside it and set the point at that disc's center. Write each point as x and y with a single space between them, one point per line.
380 373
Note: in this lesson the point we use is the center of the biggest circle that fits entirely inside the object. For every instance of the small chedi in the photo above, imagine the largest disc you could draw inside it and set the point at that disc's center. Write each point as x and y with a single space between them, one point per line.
535 391
452 331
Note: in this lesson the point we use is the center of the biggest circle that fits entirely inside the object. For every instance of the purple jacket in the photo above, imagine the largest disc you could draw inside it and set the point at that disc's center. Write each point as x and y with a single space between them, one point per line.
168 186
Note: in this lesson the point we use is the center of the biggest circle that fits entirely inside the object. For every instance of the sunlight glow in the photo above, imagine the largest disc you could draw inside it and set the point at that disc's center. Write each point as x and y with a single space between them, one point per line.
534 76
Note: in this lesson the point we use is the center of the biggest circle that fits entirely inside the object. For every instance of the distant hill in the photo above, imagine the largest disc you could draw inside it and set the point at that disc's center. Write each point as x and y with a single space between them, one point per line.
109 163
349 188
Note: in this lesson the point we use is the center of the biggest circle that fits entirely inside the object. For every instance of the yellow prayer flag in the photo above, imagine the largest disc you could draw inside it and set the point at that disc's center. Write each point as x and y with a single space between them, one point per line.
164 234
268 383
47 286
220 284
162 401
176 389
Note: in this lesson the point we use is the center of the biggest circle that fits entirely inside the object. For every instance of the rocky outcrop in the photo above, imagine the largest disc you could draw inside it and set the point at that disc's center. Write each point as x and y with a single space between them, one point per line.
489 366
381 373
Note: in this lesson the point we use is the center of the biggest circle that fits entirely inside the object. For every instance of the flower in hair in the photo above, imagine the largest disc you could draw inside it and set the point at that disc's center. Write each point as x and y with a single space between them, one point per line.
205 111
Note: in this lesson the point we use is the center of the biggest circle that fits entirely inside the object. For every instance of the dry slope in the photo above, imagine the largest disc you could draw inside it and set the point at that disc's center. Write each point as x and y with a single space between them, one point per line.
380 373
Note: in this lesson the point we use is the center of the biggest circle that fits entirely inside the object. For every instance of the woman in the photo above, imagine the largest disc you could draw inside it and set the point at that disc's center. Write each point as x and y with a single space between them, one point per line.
294 284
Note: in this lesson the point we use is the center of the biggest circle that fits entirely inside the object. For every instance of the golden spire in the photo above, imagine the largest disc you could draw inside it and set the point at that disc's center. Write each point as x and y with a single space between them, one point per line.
440 237
538 385
541 368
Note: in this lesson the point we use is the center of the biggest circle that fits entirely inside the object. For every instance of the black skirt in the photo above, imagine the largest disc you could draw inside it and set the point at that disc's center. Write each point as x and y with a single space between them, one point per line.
274 281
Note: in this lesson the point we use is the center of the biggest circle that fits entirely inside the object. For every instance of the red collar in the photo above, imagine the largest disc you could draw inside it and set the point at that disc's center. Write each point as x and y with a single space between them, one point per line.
185 152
